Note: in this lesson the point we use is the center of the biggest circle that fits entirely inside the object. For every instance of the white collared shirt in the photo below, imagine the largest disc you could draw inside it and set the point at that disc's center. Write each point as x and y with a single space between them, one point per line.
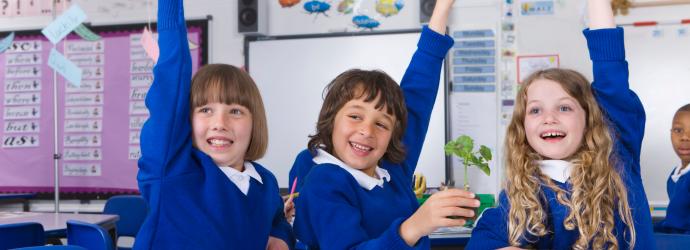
365 181
241 179
557 170
677 173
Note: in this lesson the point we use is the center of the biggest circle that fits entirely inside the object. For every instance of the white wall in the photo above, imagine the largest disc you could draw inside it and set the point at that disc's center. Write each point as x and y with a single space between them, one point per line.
559 34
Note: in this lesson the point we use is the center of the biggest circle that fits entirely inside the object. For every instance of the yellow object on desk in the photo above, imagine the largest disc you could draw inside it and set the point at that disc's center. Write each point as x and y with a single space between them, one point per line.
419 185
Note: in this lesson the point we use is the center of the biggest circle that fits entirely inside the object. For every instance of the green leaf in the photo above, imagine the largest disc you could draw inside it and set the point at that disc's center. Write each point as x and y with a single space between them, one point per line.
484 167
474 160
485 152
466 142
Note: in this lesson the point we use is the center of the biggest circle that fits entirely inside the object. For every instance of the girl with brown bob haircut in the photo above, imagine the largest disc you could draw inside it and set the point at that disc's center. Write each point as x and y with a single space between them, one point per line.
199 144
227 84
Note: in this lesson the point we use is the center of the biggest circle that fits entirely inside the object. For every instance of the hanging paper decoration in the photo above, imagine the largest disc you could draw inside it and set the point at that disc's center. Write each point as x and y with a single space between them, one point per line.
86 34
388 7
316 7
192 45
345 6
6 42
365 22
363 11
150 44
288 3
64 24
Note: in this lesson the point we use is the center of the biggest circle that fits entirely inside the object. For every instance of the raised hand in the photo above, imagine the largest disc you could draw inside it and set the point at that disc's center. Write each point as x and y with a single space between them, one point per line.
439 18
600 14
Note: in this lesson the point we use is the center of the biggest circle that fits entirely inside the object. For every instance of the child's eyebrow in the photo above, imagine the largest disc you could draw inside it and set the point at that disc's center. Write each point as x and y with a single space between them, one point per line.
360 107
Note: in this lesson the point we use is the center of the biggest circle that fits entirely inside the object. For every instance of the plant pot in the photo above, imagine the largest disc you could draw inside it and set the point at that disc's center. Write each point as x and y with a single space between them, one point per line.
485 201
423 199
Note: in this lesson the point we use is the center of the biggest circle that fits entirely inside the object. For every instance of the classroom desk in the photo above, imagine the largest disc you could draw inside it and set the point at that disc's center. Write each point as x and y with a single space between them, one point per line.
18 197
55 224
450 238
658 215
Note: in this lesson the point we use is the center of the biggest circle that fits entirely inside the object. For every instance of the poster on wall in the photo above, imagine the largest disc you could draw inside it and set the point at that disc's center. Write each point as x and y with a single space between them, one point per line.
529 64
98 120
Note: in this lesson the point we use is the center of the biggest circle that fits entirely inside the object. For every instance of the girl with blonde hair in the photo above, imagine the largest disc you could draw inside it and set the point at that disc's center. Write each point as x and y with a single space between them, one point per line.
573 157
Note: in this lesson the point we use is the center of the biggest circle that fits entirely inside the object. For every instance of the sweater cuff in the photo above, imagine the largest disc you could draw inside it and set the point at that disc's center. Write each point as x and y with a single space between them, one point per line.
170 14
605 44
392 237
434 43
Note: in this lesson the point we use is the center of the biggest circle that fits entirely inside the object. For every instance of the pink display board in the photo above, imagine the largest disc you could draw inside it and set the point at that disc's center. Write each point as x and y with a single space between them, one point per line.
98 122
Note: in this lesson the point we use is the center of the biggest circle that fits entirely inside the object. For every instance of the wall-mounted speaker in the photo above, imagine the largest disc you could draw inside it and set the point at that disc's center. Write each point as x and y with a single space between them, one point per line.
426 7
252 17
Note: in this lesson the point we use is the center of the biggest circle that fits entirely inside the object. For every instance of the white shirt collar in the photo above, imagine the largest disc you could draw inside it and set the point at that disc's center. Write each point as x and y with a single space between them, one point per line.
557 170
677 173
241 179
365 181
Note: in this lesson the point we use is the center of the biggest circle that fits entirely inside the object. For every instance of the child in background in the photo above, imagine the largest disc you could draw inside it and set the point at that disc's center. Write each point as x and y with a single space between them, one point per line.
360 193
198 146
573 179
678 185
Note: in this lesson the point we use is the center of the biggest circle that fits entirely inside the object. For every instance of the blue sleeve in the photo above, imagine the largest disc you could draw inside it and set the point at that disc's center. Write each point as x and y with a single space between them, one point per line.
300 168
328 215
420 85
491 231
612 91
281 228
166 135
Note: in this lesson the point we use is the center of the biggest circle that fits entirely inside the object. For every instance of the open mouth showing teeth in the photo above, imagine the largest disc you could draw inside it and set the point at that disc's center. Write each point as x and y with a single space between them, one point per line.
219 142
552 135
360 147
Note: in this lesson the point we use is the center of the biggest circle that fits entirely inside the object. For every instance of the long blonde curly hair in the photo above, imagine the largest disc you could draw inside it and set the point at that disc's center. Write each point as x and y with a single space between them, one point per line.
597 188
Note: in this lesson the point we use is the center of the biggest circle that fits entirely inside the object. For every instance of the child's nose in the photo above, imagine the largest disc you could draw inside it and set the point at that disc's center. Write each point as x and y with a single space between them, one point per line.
218 122
365 129
550 118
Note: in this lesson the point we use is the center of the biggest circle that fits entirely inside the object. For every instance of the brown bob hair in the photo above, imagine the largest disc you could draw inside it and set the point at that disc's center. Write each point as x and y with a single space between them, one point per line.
229 85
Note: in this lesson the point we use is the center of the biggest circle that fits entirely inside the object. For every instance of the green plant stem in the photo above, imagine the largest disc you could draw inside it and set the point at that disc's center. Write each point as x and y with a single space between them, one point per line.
467 185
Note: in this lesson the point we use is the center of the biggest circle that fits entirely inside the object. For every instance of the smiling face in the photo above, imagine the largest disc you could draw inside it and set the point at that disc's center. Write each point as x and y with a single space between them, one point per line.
223 132
554 121
680 136
361 134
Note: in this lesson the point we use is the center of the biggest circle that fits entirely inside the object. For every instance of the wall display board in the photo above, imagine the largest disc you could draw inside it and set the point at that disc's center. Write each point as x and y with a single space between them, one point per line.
99 121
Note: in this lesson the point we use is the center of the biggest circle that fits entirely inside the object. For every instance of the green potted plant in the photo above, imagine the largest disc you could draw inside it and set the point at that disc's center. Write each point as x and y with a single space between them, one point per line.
463 148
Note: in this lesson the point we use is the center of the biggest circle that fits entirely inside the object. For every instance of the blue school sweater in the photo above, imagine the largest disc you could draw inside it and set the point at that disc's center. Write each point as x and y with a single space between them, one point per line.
626 114
677 219
300 168
335 212
193 204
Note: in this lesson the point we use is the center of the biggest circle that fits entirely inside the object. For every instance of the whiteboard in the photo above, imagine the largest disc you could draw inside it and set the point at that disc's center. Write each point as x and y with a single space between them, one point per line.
659 59
291 74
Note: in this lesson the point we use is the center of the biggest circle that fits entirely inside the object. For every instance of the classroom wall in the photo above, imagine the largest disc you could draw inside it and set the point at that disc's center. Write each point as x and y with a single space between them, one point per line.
559 33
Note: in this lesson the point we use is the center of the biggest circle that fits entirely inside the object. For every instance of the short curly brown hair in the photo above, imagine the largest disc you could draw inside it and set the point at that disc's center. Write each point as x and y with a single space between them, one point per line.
367 84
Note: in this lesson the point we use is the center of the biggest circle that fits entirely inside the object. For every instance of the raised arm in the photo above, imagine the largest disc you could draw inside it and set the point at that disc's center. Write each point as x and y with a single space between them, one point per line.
421 81
165 137
611 87
600 14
